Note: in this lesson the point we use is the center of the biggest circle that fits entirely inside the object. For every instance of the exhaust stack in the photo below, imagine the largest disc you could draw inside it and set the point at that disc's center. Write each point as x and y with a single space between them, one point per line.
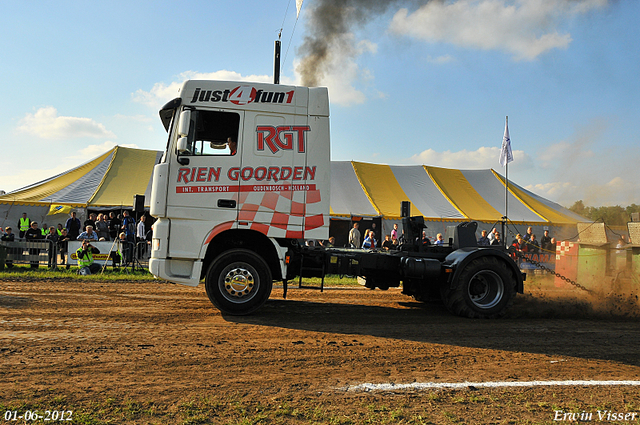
276 63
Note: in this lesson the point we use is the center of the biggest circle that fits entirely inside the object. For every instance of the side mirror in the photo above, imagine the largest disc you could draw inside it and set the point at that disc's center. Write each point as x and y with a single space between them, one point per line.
184 124
183 144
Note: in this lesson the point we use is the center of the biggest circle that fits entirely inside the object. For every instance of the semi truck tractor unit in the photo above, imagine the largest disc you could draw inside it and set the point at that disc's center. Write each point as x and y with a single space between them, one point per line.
245 180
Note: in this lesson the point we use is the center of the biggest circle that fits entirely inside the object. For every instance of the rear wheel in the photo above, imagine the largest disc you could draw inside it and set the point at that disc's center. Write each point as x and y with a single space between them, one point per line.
485 288
238 282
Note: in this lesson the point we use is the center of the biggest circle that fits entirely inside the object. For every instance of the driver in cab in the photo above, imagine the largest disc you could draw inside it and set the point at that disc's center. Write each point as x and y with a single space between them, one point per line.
233 145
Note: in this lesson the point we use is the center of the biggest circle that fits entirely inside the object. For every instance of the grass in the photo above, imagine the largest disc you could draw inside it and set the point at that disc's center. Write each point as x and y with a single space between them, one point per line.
25 273
19 272
451 407
212 409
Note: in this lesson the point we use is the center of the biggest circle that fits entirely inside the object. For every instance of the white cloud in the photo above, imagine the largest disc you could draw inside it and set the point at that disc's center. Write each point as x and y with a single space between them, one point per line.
341 85
70 160
92 151
552 190
46 123
616 191
28 176
481 158
341 76
564 172
524 28
341 73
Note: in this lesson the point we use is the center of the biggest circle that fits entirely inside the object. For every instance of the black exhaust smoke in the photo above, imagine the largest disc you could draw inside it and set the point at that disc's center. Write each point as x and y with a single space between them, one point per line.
329 22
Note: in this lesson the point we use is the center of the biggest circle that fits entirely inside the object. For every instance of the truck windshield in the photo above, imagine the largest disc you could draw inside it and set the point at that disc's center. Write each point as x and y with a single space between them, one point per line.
213 133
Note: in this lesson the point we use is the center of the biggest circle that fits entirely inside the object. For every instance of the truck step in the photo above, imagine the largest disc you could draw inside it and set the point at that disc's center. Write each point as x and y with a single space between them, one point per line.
311 271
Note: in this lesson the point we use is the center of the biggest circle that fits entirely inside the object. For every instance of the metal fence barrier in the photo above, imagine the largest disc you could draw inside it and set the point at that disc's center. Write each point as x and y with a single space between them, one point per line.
30 252
45 253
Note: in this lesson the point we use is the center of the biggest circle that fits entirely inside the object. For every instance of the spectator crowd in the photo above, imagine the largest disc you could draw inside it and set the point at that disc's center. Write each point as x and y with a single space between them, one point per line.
527 243
129 232
97 227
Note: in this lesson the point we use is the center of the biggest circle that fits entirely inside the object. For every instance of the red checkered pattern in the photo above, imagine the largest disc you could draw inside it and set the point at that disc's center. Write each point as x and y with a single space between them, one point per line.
279 214
566 262
563 248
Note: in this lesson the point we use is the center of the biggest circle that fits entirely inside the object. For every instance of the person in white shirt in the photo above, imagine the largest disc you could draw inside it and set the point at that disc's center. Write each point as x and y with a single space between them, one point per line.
141 234
88 234
354 236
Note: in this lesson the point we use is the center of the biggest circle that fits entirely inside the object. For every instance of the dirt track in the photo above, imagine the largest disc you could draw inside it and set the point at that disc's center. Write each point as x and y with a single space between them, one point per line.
99 348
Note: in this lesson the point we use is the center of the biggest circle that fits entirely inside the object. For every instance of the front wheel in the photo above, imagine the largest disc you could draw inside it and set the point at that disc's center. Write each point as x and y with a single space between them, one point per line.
238 282
485 288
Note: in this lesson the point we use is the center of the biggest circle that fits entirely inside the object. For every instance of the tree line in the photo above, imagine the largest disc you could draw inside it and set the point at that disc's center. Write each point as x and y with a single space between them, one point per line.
613 216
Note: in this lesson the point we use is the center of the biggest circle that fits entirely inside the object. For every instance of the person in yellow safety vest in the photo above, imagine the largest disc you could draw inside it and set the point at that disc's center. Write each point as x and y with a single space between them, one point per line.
59 229
85 258
45 229
23 225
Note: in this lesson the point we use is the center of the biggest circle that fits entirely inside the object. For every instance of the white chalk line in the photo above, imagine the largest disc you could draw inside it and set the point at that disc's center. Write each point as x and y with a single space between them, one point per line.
497 384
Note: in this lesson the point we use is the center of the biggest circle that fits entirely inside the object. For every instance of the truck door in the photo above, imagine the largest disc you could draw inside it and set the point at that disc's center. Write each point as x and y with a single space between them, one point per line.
270 202
205 176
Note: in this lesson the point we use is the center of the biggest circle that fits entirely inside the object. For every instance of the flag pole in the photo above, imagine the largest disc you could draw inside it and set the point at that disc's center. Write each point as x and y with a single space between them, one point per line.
506 195
506 156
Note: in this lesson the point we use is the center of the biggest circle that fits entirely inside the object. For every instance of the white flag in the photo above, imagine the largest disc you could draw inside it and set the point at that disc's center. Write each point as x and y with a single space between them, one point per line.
506 156
298 7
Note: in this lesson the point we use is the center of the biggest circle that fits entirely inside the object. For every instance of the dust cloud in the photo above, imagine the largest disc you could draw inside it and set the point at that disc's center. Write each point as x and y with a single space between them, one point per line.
616 297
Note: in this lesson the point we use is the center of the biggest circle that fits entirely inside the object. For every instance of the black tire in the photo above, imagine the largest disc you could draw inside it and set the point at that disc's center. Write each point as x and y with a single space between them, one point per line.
238 282
485 289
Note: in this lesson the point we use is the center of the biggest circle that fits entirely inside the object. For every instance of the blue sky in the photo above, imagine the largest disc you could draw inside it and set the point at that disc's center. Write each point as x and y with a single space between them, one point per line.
420 82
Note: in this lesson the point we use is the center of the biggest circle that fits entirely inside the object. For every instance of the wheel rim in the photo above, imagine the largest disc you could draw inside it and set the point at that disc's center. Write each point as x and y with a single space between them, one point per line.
238 282
486 289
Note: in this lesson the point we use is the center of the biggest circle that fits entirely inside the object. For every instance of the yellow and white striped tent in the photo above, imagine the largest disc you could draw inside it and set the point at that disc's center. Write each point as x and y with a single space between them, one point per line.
437 194
359 189
107 182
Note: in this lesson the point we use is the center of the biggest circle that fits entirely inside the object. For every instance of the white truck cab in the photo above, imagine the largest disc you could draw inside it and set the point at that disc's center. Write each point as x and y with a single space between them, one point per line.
245 175
245 180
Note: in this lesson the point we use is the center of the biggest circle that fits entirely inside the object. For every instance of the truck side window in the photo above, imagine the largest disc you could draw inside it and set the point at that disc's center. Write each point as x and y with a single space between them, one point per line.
213 133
